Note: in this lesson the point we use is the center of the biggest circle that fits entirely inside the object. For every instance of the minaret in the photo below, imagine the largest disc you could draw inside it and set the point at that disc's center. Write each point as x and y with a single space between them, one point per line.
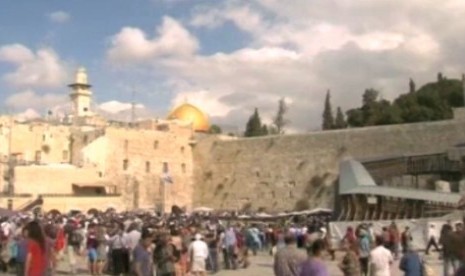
81 96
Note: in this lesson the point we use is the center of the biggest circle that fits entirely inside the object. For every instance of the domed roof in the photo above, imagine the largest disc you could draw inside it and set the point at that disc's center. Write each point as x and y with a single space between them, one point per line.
189 113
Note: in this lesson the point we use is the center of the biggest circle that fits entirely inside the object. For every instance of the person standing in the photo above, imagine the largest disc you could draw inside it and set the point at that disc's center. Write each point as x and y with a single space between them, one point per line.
405 239
229 248
164 257
380 259
102 249
288 259
314 265
410 262
22 245
198 253
213 250
91 246
350 264
36 260
431 239
364 251
142 256
119 252
60 239
73 243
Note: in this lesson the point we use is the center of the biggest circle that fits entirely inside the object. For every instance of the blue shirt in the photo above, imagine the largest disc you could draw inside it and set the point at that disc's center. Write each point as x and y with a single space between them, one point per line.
142 256
410 264
230 237
21 251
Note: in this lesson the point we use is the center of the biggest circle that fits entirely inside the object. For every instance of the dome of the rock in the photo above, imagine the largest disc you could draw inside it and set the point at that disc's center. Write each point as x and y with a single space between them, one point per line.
189 113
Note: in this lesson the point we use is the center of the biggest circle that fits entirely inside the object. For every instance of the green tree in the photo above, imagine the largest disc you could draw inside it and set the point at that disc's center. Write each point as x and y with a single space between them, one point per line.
373 111
279 122
433 101
254 126
328 119
215 129
340 121
355 117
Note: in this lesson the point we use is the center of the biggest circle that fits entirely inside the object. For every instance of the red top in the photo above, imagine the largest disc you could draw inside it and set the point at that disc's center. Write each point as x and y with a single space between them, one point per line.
60 241
38 264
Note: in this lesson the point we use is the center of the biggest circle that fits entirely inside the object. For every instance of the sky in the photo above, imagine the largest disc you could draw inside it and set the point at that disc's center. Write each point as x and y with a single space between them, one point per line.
227 57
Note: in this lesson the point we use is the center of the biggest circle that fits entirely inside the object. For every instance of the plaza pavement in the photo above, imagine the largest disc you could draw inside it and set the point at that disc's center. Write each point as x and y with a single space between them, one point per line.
262 264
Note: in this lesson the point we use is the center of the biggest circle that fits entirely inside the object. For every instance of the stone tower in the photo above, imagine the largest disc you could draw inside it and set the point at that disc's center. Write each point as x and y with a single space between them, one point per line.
80 95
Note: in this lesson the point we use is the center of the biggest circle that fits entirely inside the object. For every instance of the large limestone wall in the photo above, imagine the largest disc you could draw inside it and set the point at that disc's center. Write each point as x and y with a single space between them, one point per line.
280 172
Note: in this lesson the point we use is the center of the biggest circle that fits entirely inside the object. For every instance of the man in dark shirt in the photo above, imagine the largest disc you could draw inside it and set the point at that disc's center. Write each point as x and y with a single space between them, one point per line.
72 243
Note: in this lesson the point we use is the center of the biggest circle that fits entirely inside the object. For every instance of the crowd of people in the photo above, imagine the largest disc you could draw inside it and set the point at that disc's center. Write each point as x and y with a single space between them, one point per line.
131 244
179 244
370 252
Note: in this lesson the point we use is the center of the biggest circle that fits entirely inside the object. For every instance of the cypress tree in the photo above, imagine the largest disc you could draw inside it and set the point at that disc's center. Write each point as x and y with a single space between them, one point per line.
279 122
328 119
254 125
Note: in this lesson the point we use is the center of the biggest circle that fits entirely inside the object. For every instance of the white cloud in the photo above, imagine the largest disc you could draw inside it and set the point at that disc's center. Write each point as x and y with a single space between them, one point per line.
301 50
41 69
114 107
243 16
26 115
121 111
59 17
132 45
30 99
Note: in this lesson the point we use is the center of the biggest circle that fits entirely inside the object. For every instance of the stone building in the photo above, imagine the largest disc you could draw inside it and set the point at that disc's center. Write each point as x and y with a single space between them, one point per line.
85 159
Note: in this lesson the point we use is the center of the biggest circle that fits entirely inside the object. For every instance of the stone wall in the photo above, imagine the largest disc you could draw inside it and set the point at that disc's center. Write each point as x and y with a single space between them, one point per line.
38 140
300 171
133 160
52 179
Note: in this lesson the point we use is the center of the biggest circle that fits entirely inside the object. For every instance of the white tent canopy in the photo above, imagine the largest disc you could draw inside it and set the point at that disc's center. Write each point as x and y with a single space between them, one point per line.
202 209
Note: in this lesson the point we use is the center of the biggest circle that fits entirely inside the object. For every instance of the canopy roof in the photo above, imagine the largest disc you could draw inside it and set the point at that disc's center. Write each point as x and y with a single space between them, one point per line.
355 179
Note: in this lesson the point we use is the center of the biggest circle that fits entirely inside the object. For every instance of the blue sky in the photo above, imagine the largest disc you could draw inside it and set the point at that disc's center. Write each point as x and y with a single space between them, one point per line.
227 57
82 36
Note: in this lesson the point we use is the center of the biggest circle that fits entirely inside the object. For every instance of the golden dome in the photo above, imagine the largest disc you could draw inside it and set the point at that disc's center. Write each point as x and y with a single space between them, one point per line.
189 113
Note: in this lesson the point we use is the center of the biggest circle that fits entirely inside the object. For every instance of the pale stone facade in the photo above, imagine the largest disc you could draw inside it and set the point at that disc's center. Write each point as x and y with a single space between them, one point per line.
148 164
